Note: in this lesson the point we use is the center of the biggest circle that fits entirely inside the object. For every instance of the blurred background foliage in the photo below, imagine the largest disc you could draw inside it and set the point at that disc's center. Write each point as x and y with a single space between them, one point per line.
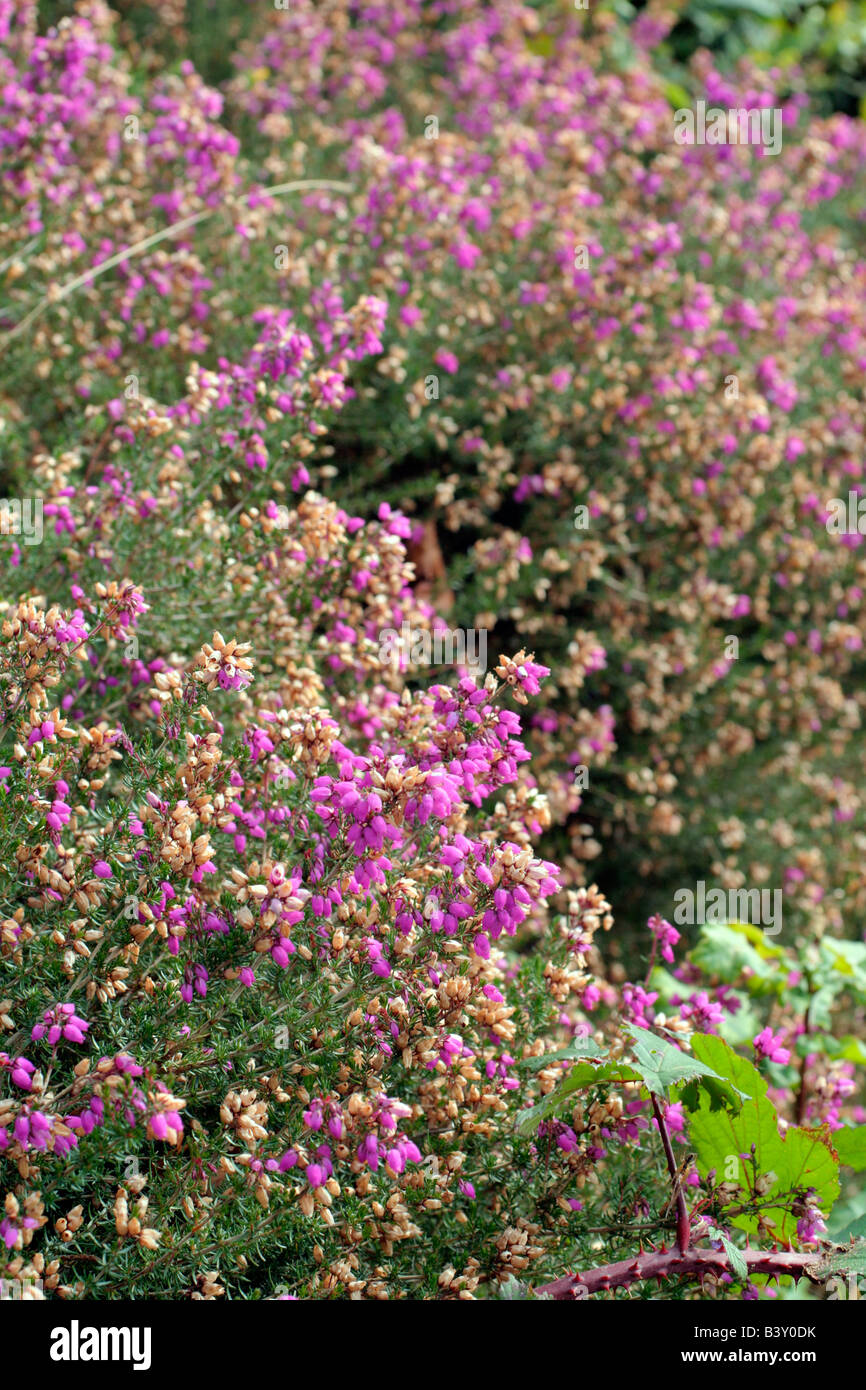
826 41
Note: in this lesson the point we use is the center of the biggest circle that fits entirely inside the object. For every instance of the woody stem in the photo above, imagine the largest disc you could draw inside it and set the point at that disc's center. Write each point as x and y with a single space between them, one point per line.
683 1226
659 1264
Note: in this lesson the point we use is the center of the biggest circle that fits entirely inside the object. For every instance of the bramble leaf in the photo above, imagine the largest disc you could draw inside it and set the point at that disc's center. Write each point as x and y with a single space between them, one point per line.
747 1149
738 1263
850 1145
661 1065
581 1076
580 1047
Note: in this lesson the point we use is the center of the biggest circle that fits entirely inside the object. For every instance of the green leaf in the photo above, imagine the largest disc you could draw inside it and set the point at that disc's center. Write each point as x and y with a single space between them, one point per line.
665 984
580 1047
742 1073
757 937
726 953
581 1076
541 45
848 959
677 95
847 1048
736 1257
661 1065
741 1078
850 1145
748 1149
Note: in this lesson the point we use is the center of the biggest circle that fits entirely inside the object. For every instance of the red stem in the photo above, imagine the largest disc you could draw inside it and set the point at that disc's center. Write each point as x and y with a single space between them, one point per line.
661 1264
684 1233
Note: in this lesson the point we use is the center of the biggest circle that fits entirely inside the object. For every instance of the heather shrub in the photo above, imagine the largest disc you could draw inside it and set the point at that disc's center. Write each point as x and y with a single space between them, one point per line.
312 984
621 373
285 974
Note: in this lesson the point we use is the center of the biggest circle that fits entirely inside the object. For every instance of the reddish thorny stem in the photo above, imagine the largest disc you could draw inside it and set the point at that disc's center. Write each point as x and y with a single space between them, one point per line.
685 1260
684 1233
661 1264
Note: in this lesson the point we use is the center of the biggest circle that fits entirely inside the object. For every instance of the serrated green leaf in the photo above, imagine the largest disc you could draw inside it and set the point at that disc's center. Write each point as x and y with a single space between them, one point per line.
736 1257
724 1142
850 1145
739 1079
742 1073
661 1065
580 1077
580 1047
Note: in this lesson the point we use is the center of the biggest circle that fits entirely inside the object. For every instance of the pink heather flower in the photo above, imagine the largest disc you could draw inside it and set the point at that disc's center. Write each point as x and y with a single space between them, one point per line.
638 1004
567 1140
666 936
591 998
466 253
447 361
674 1117
165 1124
102 870
768 1045
21 1071
158 1126
378 963
60 1022
705 1013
